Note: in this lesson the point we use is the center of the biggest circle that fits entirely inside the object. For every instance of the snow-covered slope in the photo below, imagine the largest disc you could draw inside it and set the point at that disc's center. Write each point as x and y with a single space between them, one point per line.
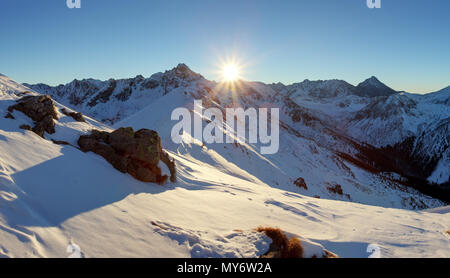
381 118
53 195
439 97
300 156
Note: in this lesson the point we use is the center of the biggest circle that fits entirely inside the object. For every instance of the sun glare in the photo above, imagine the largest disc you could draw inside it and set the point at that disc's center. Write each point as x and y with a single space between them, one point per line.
230 72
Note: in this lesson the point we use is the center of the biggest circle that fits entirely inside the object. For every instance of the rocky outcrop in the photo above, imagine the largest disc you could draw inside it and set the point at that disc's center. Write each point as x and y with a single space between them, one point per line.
336 189
137 153
300 182
41 110
283 247
76 116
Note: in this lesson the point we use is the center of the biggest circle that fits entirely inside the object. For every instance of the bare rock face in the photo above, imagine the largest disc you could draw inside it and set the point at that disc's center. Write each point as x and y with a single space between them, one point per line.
41 110
136 153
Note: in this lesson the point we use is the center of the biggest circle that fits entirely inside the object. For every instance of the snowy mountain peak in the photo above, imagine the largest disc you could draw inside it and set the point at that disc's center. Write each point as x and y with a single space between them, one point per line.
184 72
321 88
182 67
373 87
373 80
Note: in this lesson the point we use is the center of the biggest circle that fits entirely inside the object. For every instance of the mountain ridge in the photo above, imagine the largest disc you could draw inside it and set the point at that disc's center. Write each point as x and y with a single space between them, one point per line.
55 195
366 112
186 67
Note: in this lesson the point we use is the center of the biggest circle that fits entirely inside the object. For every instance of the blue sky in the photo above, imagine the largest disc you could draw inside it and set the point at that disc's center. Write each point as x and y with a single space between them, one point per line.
406 43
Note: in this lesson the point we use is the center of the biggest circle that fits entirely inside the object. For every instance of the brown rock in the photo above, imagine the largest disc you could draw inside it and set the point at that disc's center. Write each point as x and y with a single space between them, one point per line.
41 110
170 164
88 143
336 189
36 107
144 145
145 172
60 142
102 136
39 130
136 153
25 127
76 116
300 182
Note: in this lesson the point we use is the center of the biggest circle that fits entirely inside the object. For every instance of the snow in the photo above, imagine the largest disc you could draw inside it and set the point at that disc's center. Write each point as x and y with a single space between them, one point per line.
442 210
297 157
369 119
52 196
441 173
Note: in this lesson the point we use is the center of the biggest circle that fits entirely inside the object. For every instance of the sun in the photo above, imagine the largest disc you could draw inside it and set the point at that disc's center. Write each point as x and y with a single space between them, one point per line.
230 72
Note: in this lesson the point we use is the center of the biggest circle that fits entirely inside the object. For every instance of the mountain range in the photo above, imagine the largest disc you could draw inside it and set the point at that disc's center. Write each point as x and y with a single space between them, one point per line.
357 165
411 127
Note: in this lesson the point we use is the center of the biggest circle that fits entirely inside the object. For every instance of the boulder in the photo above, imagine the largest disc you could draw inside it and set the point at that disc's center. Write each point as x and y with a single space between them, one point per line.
36 107
41 110
300 182
143 145
46 124
137 153
76 116
146 172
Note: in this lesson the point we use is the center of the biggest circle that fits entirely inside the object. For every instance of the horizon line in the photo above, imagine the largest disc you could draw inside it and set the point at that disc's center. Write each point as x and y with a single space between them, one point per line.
52 84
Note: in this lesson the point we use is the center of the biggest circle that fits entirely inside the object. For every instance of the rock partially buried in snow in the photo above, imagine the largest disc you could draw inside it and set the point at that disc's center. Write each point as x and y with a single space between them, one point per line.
292 248
9 116
41 110
75 115
300 182
136 153
26 127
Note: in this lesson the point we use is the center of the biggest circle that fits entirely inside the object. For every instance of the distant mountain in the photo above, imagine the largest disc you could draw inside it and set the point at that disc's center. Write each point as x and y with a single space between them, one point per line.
112 100
320 89
373 87
439 97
